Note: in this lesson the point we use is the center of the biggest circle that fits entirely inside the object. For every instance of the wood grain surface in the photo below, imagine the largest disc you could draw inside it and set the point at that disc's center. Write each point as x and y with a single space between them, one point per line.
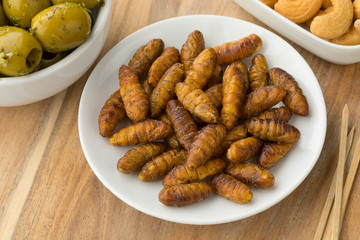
48 190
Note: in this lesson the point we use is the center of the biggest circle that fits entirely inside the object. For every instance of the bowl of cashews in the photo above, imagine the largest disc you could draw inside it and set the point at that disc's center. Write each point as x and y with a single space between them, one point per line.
330 29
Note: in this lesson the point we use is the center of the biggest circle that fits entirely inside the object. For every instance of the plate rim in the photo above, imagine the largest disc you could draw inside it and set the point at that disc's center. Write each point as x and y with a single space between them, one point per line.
138 207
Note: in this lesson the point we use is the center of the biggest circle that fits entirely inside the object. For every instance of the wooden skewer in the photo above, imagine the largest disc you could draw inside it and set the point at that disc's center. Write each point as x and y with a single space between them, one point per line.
348 185
340 174
349 141
350 179
330 197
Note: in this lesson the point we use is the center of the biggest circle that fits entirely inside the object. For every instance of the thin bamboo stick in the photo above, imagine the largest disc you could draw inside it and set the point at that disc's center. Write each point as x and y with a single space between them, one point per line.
330 197
340 174
348 185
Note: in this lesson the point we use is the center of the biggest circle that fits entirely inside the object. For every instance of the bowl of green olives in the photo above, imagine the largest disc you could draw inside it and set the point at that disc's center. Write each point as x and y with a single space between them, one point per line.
46 45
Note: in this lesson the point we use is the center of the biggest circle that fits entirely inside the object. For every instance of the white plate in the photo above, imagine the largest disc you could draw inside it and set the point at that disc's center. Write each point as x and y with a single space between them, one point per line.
289 173
331 52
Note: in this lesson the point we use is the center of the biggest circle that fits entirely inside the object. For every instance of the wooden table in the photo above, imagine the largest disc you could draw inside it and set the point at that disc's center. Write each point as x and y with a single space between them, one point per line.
48 190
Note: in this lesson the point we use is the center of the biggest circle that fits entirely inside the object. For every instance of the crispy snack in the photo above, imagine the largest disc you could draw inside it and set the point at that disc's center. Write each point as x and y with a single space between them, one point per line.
251 174
269 3
237 50
136 102
141 132
193 46
234 94
332 22
168 57
136 157
182 174
202 69
216 77
158 167
272 153
145 56
185 194
182 122
236 133
197 102
230 188
351 36
243 68
111 113
165 89
147 88
215 94
280 114
259 72
204 145
171 140
300 11
244 149
294 99
262 99
272 130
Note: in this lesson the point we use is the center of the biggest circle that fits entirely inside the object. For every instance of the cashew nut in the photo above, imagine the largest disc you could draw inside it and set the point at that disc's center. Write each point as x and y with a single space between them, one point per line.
357 24
298 11
356 5
351 37
334 21
308 22
269 3
326 4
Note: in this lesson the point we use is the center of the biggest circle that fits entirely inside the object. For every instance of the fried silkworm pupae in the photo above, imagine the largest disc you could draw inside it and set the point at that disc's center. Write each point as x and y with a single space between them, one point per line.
185 194
272 130
205 143
244 149
168 57
142 132
158 167
272 153
165 89
251 174
136 157
145 56
182 174
193 46
294 99
236 133
136 101
262 99
215 94
111 114
280 114
216 77
202 69
242 67
182 123
237 50
197 102
230 188
171 140
234 93
259 72
147 87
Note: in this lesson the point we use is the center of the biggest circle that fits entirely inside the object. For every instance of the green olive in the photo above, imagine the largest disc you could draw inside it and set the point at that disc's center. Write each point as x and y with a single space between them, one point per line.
3 20
20 12
61 27
20 52
89 4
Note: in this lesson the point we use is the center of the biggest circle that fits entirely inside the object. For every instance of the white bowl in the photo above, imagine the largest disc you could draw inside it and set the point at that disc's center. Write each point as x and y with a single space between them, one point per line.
331 52
289 173
15 91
